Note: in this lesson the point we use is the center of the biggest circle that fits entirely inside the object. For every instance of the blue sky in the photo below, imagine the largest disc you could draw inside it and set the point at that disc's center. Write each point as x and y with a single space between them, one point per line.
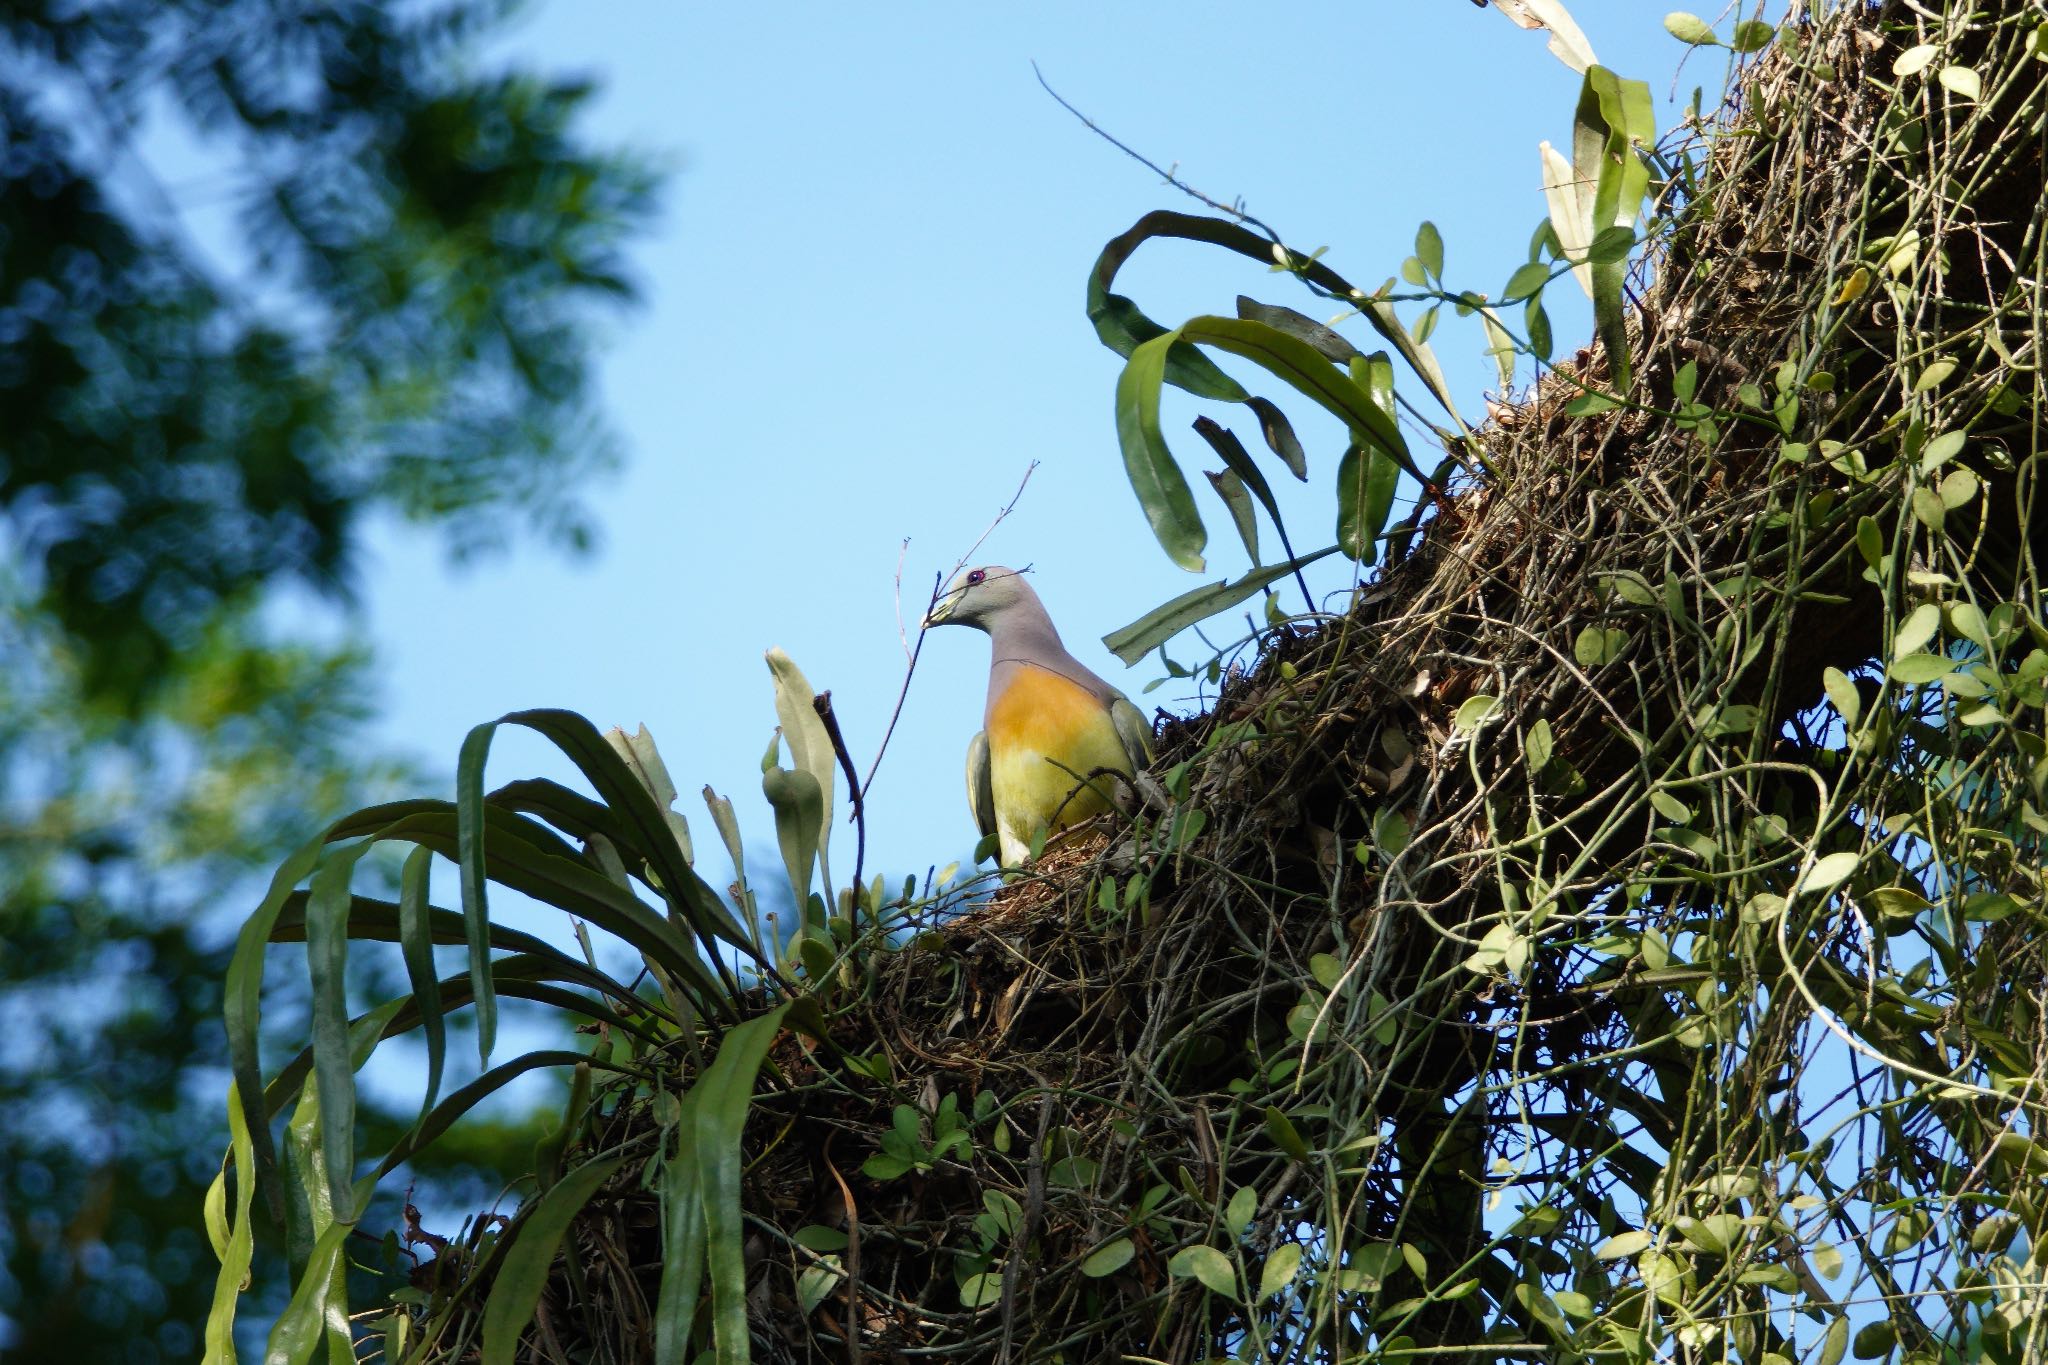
863 322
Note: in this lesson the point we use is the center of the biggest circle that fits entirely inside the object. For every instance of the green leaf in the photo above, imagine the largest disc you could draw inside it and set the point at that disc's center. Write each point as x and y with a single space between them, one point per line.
1870 541
1280 438
1238 461
1829 870
638 752
233 1238
1429 249
1390 831
1928 509
469 822
1936 374
1371 1264
1731 720
1623 1245
817 1238
1332 345
1134 641
1917 629
327 910
415 932
1300 365
683 1238
1501 347
1848 702
1162 491
522 860
1008 1213
1121 325
1366 481
1207 1265
1237 1214
1875 1339
1425 326
1834 1342
1752 35
1526 283
1940 450
1109 1258
371 919
1988 907
1690 29
1474 712
1538 324
882 1166
1598 645
1967 620
646 828
448 1111
1916 669
812 1286
1237 499
797 800
1716 1233
1611 246
1686 382
1615 118
1915 59
1671 808
1587 404
810 746
1284 1134
1963 81
982 1290
317 1309
1280 1269
1895 902
724 1095
523 1271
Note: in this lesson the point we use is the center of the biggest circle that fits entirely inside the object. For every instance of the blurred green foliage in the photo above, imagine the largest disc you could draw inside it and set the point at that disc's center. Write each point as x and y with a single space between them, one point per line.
373 301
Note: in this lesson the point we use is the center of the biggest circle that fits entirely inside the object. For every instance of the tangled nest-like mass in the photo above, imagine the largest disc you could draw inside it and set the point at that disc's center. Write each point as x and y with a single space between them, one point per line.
1490 952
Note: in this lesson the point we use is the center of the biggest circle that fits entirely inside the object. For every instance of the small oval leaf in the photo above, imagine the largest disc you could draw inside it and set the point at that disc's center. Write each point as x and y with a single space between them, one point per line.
1280 1269
1829 870
1689 29
1207 1265
1109 1258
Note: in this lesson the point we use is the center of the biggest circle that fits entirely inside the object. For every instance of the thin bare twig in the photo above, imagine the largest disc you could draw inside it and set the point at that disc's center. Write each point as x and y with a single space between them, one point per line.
938 586
902 635
1235 208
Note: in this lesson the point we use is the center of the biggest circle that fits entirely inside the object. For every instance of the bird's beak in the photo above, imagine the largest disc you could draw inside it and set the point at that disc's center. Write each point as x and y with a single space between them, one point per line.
942 610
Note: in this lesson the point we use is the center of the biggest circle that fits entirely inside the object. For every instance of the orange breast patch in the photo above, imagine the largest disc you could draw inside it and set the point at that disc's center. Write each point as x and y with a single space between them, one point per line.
1045 734
1042 712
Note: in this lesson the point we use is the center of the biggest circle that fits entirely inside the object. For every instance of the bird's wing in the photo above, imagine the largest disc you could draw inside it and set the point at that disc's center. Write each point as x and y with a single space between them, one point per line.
981 792
1133 731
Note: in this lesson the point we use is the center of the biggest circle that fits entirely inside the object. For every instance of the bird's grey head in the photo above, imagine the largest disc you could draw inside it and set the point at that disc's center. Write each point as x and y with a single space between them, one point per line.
980 597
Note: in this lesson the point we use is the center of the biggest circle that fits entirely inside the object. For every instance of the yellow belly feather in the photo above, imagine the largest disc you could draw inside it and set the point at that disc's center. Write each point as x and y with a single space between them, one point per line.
1045 734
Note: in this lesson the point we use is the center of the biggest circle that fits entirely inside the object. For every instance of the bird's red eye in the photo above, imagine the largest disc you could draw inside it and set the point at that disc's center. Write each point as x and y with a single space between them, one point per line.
975 577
